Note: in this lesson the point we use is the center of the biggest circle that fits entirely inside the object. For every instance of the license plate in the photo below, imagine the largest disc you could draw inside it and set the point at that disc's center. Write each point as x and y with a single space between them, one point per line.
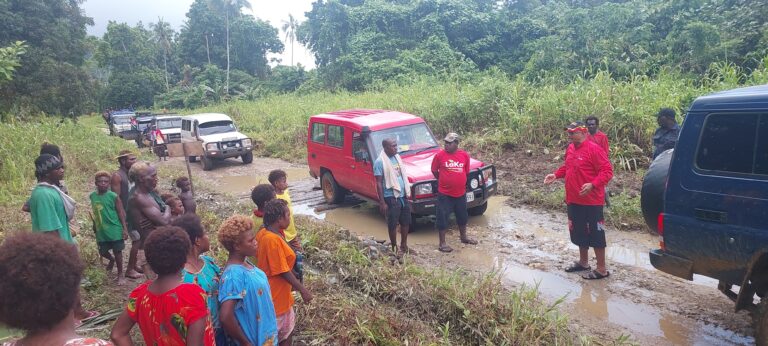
470 196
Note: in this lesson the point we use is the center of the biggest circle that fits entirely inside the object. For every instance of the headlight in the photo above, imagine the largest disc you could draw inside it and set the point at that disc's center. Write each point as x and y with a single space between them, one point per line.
474 183
424 189
246 142
212 146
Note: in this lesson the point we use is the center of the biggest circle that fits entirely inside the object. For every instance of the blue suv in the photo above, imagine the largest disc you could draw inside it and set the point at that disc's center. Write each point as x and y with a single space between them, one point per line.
713 218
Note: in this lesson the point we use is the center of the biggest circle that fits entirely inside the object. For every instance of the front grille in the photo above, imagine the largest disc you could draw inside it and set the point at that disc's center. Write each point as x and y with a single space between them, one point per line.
230 144
174 138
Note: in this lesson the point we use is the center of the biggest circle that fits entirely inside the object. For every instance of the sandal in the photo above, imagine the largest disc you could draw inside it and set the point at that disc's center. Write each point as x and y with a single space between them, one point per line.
577 267
445 249
595 275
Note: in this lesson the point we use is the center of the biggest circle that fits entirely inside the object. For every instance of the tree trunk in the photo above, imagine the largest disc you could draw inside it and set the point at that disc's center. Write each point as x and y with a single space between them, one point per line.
165 65
226 86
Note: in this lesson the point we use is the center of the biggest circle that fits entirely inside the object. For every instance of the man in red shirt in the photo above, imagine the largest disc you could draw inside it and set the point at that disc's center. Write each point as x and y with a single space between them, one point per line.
451 167
586 172
595 135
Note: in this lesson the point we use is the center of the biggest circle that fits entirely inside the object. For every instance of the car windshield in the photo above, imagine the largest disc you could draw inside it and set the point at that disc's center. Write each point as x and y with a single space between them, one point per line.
121 120
411 139
214 127
174 123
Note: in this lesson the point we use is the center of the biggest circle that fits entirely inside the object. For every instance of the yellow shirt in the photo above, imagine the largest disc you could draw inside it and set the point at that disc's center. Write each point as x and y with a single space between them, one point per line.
290 232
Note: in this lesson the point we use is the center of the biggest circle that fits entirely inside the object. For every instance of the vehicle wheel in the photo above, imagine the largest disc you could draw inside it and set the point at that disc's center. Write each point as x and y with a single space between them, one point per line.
247 158
652 191
207 163
760 323
332 192
478 210
193 159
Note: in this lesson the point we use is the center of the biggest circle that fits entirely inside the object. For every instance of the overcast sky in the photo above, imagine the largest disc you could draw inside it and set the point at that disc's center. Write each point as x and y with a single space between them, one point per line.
174 12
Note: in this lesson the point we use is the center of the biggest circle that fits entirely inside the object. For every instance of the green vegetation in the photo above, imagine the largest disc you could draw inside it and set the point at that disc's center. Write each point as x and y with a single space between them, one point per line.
494 111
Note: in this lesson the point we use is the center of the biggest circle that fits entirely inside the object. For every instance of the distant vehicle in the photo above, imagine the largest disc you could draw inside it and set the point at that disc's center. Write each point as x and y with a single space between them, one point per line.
120 124
709 199
170 126
218 137
140 124
342 146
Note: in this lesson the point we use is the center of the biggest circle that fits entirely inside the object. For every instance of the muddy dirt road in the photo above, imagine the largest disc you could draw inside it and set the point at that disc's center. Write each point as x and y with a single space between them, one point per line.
530 247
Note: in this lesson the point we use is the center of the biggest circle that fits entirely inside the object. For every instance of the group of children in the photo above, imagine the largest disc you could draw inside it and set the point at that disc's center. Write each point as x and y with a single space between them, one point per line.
248 301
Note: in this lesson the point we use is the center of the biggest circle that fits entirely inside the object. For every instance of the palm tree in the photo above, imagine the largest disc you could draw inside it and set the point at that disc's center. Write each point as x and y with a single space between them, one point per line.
289 27
163 34
227 6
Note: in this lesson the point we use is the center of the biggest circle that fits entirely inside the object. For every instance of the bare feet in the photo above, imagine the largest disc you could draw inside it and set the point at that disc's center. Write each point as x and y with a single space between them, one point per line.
110 265
445 248
138 270
470 241
120 280
407 251
132 274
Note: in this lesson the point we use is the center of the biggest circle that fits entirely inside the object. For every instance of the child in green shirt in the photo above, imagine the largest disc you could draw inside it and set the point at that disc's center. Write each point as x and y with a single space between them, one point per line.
109 223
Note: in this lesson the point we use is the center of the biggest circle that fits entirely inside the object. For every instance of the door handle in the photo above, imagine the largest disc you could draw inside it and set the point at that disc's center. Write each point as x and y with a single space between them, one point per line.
711 215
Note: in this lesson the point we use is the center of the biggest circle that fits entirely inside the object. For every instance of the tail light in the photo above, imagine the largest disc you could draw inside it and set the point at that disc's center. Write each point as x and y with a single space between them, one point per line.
660 227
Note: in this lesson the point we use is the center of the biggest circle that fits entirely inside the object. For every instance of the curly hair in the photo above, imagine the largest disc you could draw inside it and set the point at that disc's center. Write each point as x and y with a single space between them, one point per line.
166 249
232 230
274 210
167 196
51 149
666 113
138 170
39 278
276 175
261 194
100 174
180 180
191 224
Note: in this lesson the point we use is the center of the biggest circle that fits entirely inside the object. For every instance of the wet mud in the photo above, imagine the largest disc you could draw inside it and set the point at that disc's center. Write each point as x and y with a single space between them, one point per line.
531 247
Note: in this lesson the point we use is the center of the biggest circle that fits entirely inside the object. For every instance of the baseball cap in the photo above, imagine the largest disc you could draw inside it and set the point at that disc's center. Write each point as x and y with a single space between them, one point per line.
576 126
453 136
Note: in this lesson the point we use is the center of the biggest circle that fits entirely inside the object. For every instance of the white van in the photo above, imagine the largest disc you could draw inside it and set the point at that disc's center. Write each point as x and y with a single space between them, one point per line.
217 135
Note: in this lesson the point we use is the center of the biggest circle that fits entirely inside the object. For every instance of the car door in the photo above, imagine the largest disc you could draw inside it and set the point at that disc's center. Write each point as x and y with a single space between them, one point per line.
727 192
361 167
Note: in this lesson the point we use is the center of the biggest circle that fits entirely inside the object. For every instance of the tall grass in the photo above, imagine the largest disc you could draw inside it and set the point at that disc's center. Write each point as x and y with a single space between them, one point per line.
508 111
85 148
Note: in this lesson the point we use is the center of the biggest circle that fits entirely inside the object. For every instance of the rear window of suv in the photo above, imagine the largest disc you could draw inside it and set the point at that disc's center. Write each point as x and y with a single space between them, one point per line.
734 143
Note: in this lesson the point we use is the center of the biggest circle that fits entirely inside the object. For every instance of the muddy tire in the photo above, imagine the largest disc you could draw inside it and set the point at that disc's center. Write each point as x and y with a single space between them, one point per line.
478 210
333 193
207 163
247 158
652 191
760 323
193 159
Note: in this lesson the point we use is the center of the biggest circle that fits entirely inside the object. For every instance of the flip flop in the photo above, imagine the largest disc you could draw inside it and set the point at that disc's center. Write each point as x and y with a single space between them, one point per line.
445 249
595 275
577 267
469 241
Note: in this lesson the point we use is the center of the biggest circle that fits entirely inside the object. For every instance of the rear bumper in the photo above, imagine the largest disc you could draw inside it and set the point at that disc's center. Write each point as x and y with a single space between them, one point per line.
670 264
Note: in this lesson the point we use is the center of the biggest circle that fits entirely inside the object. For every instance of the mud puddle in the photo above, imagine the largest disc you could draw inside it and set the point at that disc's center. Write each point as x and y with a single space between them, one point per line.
237 184
528 248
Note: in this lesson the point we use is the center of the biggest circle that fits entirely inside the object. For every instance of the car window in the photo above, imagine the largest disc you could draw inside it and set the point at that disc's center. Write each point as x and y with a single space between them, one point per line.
318 133
168 123
336 136
359 150
216 127
733 143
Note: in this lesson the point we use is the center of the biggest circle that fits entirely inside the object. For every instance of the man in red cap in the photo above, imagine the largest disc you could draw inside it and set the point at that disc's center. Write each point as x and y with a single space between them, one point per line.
586 172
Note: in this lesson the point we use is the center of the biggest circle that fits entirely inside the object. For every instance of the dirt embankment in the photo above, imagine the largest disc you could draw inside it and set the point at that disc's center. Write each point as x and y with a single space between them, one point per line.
529 246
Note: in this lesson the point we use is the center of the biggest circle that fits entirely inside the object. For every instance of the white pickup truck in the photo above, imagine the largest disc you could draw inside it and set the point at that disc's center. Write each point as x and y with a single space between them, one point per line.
217 135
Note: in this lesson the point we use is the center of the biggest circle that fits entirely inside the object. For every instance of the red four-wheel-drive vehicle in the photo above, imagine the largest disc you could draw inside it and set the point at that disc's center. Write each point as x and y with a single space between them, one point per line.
341 148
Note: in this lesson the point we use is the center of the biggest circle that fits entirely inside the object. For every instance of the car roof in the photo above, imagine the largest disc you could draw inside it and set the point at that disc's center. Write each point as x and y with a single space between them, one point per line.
161 117
748 98
207 117
374 119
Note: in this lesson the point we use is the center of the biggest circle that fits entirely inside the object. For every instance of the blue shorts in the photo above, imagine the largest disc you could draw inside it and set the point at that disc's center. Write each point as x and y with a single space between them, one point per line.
447 205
